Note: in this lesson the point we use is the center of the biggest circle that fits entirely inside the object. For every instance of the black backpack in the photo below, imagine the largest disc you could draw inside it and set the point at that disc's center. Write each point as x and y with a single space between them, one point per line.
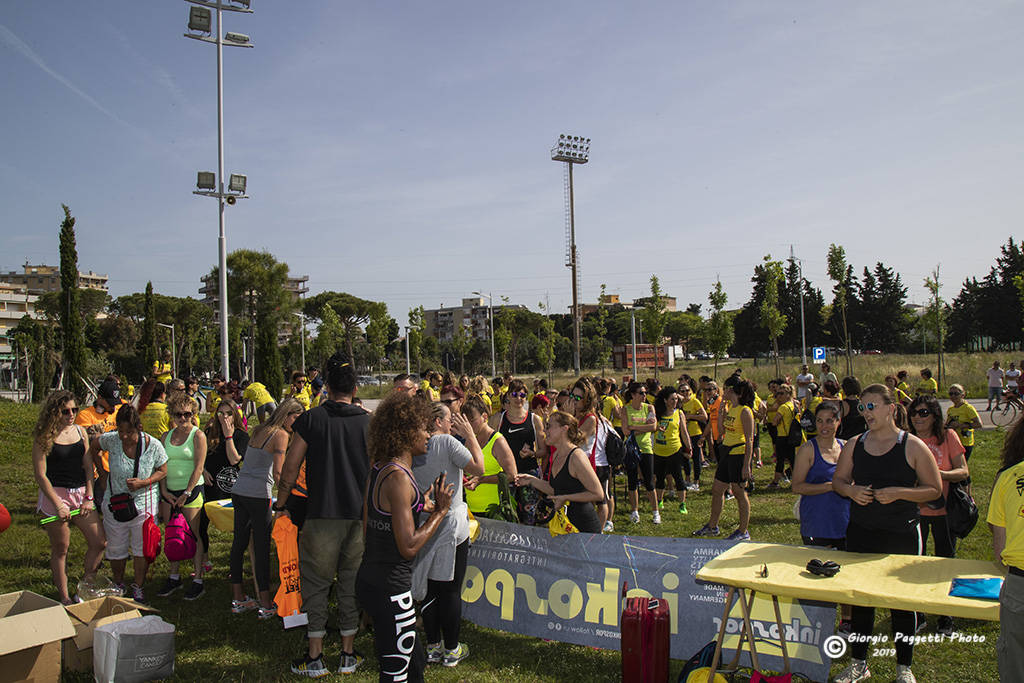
614 447
961 510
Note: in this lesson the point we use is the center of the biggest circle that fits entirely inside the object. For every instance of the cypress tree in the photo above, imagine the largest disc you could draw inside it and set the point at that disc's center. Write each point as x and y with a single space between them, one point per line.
70 318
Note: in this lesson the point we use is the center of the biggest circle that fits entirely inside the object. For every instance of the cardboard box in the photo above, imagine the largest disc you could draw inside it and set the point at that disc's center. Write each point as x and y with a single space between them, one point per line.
31 629
85 617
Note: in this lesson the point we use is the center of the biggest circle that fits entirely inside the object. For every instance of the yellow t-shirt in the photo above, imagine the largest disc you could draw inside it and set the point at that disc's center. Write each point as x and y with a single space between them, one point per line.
692 407
258 394
904 387
1006 509
928 386
666 439
212 401
789 419
162 372
965 413
155 420
610 407
425 386
734 436
302 396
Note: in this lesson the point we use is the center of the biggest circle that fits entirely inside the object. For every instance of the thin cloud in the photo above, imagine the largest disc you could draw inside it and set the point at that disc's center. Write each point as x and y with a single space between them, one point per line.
18 45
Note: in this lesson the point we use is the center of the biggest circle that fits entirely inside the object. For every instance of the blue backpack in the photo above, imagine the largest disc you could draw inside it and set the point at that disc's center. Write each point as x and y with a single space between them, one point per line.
702 659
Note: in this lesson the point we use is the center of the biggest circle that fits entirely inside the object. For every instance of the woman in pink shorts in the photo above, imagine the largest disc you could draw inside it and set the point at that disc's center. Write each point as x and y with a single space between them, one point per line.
59 459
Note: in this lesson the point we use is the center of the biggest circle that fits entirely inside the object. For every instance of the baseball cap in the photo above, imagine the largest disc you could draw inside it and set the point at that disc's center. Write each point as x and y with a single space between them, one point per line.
109 390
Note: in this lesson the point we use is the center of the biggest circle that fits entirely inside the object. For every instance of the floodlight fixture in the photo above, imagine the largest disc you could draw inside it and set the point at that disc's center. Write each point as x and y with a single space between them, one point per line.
573 149
236 183
239 38
206 180
244 3
199 19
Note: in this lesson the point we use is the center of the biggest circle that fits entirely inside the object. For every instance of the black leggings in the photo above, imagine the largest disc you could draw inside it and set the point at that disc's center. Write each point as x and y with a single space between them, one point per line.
697 457
400 655
669 464
784 453
945 542
442 609
967 454
251 514
862 540
645 468
209 493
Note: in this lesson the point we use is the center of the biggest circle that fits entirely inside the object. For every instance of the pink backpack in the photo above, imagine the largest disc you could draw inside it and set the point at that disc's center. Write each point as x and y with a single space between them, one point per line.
179 541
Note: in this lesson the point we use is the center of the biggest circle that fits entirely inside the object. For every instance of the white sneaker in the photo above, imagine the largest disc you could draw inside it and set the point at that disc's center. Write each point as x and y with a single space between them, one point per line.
904 674
609 527
634 517
857 671
657 517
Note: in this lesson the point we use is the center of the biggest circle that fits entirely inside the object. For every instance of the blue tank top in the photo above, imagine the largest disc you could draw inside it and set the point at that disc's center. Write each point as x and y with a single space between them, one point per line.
824 515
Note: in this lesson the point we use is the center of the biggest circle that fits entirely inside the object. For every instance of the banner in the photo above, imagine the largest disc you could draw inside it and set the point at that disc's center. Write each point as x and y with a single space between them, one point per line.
569 588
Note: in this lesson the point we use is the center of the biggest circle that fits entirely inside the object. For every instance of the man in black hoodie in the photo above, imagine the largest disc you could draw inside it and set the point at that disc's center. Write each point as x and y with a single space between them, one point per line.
331 439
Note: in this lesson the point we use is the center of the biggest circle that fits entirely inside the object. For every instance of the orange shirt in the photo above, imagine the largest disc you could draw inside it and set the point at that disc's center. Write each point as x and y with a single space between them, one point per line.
713 408
87 417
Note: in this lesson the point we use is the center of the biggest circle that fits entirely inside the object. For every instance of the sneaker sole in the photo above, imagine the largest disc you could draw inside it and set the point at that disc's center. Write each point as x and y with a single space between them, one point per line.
194 597
164 594
311 674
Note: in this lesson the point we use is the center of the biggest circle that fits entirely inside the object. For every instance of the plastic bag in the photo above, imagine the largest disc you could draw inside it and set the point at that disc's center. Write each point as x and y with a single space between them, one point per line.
133 650
289 595
560 524
97 587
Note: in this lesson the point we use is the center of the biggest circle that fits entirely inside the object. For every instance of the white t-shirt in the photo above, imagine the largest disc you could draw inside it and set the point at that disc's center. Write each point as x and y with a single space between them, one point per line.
995 377
1011 378
801 384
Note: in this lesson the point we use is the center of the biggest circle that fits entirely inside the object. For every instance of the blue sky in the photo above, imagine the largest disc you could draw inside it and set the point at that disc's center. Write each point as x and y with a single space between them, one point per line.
400 151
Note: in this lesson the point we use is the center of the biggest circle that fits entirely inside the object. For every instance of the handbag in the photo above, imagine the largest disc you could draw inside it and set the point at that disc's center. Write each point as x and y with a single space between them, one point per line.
560 524
961 510
122 505
152 538
181 542
140 649
631 459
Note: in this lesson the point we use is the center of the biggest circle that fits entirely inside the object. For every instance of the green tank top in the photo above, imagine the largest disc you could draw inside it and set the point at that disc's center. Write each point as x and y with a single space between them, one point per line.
639 417
485 495
180 462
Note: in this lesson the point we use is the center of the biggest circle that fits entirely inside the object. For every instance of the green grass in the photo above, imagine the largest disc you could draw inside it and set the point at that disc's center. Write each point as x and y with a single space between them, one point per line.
214 645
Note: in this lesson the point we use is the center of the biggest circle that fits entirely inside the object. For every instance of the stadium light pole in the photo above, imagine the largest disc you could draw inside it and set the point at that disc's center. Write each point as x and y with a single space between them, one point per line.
800 286
572 149
490 312
209 185
174 350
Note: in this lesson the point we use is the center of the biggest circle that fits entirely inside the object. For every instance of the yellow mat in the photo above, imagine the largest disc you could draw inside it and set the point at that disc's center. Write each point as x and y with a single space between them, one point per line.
221 514
872 580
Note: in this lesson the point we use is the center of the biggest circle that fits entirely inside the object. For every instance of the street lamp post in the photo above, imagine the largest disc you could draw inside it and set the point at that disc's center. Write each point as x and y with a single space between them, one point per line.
572 149
199 22
303 338
800 285
408 365
174 350
490 312
632 334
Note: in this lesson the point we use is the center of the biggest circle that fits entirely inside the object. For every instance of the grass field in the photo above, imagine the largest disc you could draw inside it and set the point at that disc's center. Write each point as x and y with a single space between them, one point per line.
214 645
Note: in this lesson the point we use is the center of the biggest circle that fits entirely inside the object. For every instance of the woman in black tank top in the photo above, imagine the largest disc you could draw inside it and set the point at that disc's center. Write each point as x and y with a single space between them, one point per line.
522 429
574 481
391 505
59 458
886 473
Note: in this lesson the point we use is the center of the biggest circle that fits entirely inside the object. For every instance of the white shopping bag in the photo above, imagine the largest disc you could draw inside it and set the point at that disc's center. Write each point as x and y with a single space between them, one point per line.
133 650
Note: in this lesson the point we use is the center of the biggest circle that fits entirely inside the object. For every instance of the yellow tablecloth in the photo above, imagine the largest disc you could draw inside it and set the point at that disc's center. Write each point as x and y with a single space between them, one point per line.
221 514
905 582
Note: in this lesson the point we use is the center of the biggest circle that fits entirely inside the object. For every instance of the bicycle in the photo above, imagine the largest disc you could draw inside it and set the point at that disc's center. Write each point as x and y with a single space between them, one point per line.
1007 413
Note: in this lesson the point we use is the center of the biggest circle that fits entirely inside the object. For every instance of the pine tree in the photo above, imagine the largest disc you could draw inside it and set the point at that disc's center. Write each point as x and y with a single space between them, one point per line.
70 318
147 345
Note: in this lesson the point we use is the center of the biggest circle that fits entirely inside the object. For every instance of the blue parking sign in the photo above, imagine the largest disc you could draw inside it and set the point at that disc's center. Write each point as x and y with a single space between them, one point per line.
819 353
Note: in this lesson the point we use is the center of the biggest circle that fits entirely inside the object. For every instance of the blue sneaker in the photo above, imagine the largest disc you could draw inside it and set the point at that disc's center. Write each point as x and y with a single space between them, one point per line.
707 530
738 536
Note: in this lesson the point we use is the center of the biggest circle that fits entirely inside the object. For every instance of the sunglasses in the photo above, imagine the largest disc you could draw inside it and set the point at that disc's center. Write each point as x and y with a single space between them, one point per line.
185 415
69 411
921 412
866 406
575 397
448 401
517 394
955 393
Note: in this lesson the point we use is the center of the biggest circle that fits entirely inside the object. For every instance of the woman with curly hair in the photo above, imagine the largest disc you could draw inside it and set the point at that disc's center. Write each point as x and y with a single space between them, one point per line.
226 441
573 479
391 505
63 473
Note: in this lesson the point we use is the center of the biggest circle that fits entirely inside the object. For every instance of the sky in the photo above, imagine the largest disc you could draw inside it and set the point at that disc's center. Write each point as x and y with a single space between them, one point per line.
400 151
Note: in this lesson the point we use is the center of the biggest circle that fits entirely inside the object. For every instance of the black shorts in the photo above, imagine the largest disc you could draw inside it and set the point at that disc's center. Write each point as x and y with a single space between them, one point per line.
730 469
834 543
173 495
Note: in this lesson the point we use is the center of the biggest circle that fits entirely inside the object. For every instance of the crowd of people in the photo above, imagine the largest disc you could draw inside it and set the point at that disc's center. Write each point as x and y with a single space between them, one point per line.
383 501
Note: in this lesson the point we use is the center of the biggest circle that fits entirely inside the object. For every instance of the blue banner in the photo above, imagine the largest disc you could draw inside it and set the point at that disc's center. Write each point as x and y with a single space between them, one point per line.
569 588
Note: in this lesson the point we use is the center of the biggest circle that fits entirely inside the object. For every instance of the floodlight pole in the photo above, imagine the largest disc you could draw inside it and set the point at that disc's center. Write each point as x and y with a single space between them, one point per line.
573 150
408 364
222 248
800 286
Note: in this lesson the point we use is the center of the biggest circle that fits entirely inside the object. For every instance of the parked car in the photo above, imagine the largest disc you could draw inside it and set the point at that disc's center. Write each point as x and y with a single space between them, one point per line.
368 381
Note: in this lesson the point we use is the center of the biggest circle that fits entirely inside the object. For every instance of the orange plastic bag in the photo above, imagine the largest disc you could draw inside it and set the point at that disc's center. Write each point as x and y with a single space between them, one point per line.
289 595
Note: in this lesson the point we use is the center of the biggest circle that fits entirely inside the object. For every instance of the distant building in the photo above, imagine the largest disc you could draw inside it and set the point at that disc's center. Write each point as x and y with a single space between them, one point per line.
15 303
441 323
41 279
669 301
609 300
666 355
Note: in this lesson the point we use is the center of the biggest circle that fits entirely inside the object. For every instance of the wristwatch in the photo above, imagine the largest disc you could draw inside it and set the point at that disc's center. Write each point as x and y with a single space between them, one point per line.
87 498
275 508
